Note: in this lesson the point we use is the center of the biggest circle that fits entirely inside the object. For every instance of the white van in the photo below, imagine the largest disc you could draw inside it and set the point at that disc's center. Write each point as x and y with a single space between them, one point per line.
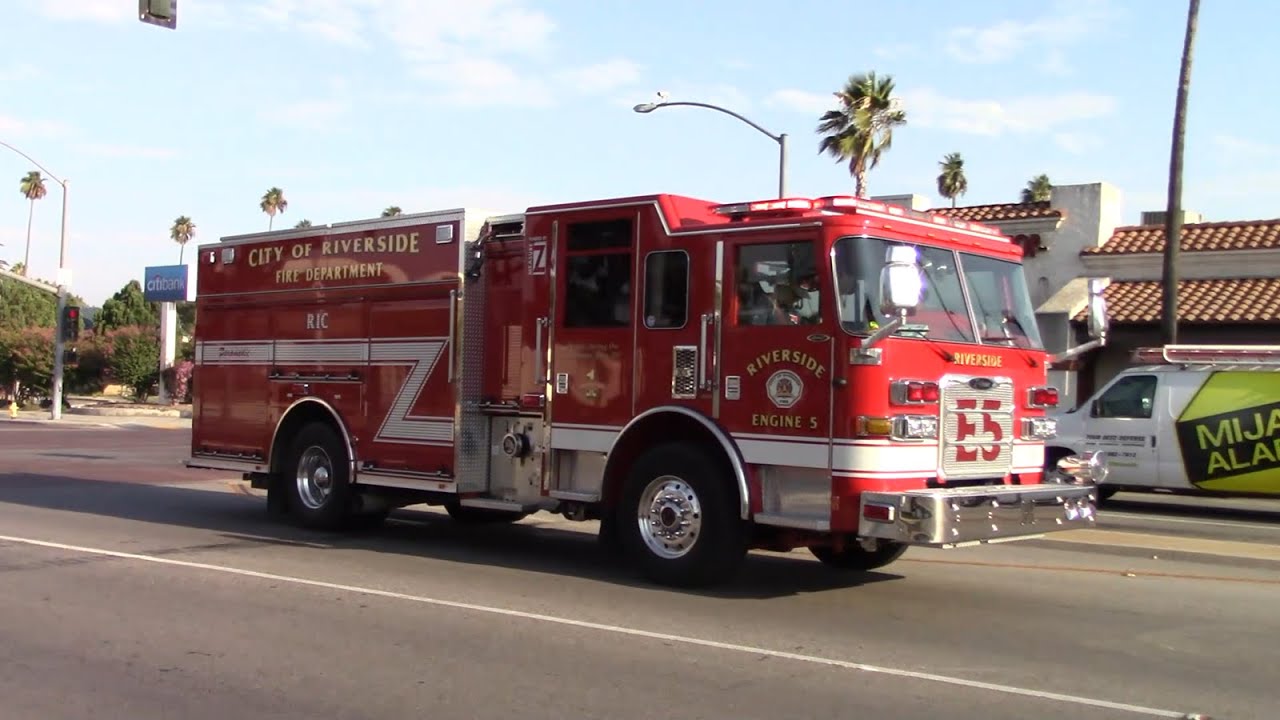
1193 419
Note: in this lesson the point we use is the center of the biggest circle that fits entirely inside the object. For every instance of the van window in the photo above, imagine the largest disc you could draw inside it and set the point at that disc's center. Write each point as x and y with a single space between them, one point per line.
1132 396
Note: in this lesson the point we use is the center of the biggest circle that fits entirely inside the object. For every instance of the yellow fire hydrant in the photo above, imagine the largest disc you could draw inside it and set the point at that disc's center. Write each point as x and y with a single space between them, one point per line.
13 409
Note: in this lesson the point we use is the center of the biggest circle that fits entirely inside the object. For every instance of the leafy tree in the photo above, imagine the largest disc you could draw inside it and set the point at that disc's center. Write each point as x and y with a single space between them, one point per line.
273 201
303 223
861 129
392 211
26 361
127 308
1038 189
32 188
951 181
182 232
135 359
23 306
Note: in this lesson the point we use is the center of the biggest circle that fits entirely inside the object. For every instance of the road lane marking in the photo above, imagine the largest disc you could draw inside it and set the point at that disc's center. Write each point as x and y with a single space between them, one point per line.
617 630
1158 518
1203 546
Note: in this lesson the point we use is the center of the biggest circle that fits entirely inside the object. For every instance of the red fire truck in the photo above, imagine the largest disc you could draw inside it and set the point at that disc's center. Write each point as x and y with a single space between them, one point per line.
834 373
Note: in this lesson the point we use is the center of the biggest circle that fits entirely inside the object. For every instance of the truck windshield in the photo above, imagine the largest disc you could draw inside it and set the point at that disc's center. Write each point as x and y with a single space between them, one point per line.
1001 304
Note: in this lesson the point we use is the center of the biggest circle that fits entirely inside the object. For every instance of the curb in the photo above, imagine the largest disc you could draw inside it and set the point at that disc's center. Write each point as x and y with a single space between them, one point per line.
131 412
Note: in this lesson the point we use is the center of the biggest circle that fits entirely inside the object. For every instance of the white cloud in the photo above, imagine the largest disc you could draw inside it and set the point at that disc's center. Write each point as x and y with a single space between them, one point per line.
1234 147
1077 143
1067 22
474 53
1027 114
14 127
19 72
318 114
802 101
479 81
893 51
602 77
90 10
112 150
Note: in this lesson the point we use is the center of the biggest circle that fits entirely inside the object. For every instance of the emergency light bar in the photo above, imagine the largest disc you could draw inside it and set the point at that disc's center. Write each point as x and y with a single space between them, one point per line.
1209 355
762 206
847 204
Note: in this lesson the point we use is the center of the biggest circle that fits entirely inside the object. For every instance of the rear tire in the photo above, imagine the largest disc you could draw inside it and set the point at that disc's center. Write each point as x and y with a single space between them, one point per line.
318 478
854 558
677 519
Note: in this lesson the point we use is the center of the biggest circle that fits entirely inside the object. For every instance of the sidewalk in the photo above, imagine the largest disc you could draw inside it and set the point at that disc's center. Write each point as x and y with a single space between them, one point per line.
100 411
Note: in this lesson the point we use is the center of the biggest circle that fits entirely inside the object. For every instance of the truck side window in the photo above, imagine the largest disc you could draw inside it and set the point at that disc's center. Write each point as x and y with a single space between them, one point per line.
1130 397
598 274
666 289
777 284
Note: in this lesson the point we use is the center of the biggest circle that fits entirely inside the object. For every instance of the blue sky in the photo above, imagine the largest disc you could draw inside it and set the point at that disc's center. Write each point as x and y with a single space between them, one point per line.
353 105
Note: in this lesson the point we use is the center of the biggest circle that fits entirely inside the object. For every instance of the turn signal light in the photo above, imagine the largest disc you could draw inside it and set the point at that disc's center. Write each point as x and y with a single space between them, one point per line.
1042 397
914 392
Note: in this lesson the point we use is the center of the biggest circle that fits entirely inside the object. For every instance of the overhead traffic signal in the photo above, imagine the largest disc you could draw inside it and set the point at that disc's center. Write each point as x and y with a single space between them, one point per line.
159 12
70 326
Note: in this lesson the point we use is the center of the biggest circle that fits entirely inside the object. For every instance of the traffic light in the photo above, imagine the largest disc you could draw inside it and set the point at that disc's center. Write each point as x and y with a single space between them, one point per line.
70 327
159 12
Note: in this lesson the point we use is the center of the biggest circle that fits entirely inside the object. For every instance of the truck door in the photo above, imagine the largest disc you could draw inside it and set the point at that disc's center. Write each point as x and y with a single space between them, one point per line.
1122 422
592 328
776 365
675 361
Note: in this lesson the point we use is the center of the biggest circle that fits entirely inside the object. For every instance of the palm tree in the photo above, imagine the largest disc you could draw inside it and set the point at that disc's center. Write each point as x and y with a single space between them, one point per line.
861 129
32 188
392 211
303 223
273 202
1038 189
951 181
1173 215
182 232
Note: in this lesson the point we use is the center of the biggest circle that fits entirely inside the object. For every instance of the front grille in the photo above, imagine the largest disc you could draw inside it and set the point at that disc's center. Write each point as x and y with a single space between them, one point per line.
977 427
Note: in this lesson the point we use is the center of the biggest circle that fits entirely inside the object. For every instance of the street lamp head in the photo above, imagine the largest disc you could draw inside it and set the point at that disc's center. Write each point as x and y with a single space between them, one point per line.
645 107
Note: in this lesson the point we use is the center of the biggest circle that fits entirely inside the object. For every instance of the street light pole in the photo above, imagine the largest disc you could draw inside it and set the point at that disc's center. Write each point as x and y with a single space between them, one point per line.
780 139
59 348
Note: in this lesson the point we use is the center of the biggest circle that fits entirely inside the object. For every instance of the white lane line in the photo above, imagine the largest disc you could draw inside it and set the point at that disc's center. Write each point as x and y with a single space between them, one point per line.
1155 518
615 629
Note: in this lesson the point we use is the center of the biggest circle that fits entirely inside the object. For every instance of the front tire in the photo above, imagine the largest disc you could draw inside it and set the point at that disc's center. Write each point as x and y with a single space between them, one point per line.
678 518
318 476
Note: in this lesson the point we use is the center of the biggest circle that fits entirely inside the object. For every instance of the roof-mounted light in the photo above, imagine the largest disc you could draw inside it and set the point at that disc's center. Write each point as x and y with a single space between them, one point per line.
765 206
845 203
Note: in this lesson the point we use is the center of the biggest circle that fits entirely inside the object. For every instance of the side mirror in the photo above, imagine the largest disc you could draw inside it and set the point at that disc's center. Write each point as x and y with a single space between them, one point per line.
1097 312
901 280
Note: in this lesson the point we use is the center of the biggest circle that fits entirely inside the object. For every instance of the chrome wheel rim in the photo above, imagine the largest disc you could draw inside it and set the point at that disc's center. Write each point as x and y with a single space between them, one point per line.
314 477
669 517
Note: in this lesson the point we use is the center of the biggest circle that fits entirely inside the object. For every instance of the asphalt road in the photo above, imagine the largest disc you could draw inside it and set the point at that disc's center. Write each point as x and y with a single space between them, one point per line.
130 587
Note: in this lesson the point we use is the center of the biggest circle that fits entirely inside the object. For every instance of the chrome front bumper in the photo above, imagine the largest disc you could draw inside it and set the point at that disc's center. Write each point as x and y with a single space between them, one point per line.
950 517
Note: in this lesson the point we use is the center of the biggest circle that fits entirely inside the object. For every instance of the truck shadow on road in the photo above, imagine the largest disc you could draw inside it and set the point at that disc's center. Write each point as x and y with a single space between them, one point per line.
242 522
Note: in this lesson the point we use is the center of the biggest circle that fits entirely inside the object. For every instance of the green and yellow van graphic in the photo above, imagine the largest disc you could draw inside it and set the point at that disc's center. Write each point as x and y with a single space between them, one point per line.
1229 433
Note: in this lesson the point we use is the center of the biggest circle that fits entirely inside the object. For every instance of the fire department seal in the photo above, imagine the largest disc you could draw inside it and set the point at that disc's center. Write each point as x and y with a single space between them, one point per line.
784 388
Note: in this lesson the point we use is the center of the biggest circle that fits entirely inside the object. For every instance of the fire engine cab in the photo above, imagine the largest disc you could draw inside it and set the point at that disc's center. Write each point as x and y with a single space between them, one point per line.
836 374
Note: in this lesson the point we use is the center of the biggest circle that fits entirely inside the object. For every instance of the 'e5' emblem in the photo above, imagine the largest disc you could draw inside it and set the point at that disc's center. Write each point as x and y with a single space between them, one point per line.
967 427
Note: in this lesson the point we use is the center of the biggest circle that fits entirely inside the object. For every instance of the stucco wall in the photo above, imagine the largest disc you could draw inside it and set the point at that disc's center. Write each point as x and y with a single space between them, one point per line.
1091 213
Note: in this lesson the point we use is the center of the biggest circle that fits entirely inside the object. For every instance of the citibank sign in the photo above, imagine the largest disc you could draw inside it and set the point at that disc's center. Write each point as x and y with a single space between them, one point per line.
165 283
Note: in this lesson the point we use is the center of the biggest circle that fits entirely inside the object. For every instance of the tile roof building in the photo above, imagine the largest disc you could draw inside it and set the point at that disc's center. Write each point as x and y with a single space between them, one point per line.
1229 289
